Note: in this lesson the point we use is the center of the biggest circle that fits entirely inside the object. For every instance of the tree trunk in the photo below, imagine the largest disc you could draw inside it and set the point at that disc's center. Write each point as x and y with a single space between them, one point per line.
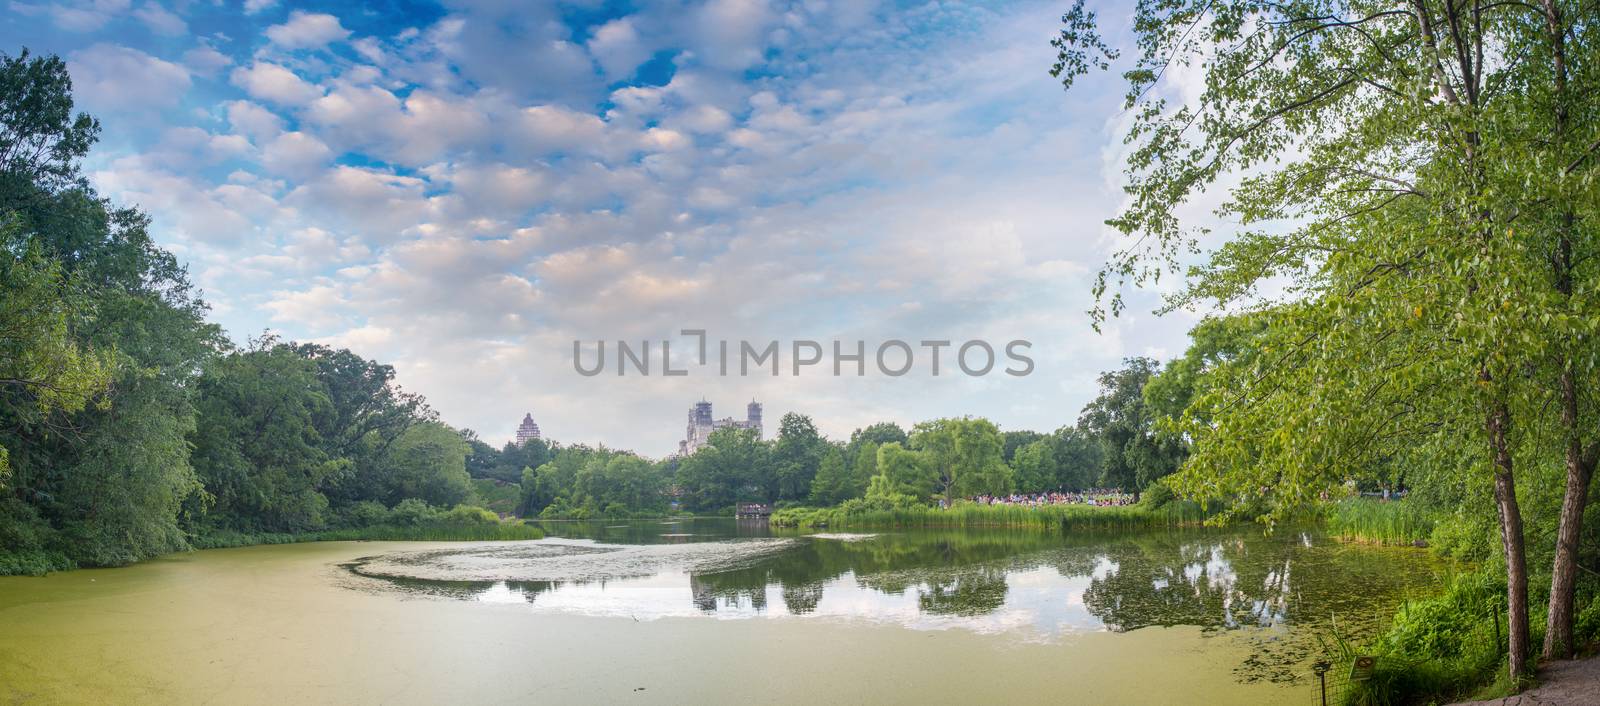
1580 465
1505 495
1563 577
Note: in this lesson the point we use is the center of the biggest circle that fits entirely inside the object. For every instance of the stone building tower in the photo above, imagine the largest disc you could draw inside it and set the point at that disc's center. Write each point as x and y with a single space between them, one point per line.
528 430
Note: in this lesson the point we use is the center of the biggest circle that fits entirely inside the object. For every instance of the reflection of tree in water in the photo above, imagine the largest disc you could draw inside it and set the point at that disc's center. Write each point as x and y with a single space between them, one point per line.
964 573
464 590
1250 580
976 590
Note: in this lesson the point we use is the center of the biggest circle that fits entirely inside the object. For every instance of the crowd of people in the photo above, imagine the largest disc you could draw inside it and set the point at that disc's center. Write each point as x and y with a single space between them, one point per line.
1096 496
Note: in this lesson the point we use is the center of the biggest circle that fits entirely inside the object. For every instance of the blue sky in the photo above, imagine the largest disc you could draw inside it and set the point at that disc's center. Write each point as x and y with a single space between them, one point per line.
464 189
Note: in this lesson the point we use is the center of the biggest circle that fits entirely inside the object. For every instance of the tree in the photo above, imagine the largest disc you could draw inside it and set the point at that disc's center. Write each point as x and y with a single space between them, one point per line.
1078 457
256 446
102 483
902 472
964 456
1014 440
428 462
734 466
1421 177
1133 454
1035 467
43 368
796 456
836 478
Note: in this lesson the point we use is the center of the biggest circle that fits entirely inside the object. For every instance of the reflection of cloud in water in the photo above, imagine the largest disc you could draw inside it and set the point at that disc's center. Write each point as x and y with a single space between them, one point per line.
563 560
1277 593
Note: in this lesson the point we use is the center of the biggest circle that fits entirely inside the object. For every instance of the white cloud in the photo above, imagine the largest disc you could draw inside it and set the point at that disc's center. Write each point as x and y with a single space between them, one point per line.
306 30
907 173
252 7
108 77
295 155
160 20
74 15
616 45
206 60
274 83
253 121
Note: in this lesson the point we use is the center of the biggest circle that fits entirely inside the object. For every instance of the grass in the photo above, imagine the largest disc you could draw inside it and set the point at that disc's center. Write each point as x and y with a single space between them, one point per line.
385 533
962 515
1395 522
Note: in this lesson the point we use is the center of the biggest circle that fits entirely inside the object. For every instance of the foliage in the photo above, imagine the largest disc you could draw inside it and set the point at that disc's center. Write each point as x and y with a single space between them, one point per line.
796 457
734 467
1035 467
1133 453
581 482
963 457
1443 647
497 496
1411 200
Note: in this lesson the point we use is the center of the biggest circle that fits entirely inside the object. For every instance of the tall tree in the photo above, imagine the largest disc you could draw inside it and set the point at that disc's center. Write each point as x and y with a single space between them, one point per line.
1035 467
1133 452
110 488
1420 175
964 456
796 456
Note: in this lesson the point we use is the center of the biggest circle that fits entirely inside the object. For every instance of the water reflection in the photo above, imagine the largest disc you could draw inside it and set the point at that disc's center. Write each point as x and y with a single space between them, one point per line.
1281 591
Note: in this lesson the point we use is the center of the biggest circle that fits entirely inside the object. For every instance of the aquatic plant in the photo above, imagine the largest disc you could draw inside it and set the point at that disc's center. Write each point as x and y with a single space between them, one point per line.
1043 517
1396 522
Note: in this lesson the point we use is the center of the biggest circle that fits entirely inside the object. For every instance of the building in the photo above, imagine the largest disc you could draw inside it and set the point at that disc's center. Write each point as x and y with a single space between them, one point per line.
702 423
528 430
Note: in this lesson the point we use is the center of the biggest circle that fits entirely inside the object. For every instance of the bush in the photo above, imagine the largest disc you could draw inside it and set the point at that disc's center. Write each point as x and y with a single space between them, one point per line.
364 514
469 515
410 513
1439 649
1586 626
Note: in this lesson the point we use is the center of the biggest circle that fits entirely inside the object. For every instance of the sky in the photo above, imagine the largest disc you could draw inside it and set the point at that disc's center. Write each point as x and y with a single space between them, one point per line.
464 190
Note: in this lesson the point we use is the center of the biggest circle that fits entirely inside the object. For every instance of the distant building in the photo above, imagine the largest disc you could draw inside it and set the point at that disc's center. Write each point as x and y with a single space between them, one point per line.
701 424
528 430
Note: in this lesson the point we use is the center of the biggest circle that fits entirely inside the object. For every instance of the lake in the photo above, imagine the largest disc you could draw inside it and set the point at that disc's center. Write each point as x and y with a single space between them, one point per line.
711 611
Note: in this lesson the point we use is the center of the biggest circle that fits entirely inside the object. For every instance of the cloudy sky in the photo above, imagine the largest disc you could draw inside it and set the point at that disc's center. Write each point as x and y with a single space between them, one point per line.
463 190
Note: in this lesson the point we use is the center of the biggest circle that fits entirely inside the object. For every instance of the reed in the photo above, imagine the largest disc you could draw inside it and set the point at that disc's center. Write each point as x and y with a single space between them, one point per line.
1395 522
477 532
963 515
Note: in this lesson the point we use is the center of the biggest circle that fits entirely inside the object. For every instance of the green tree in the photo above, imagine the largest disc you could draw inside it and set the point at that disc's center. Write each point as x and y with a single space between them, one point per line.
109 491
1014 440
43 368
256 446
1133 453
735 466
964 456
1419 180
796 457
1078 456
1035 467
427 461
836 479
902 471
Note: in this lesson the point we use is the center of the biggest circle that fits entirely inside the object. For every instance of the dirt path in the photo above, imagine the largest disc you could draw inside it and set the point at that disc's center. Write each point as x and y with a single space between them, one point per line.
1568 683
